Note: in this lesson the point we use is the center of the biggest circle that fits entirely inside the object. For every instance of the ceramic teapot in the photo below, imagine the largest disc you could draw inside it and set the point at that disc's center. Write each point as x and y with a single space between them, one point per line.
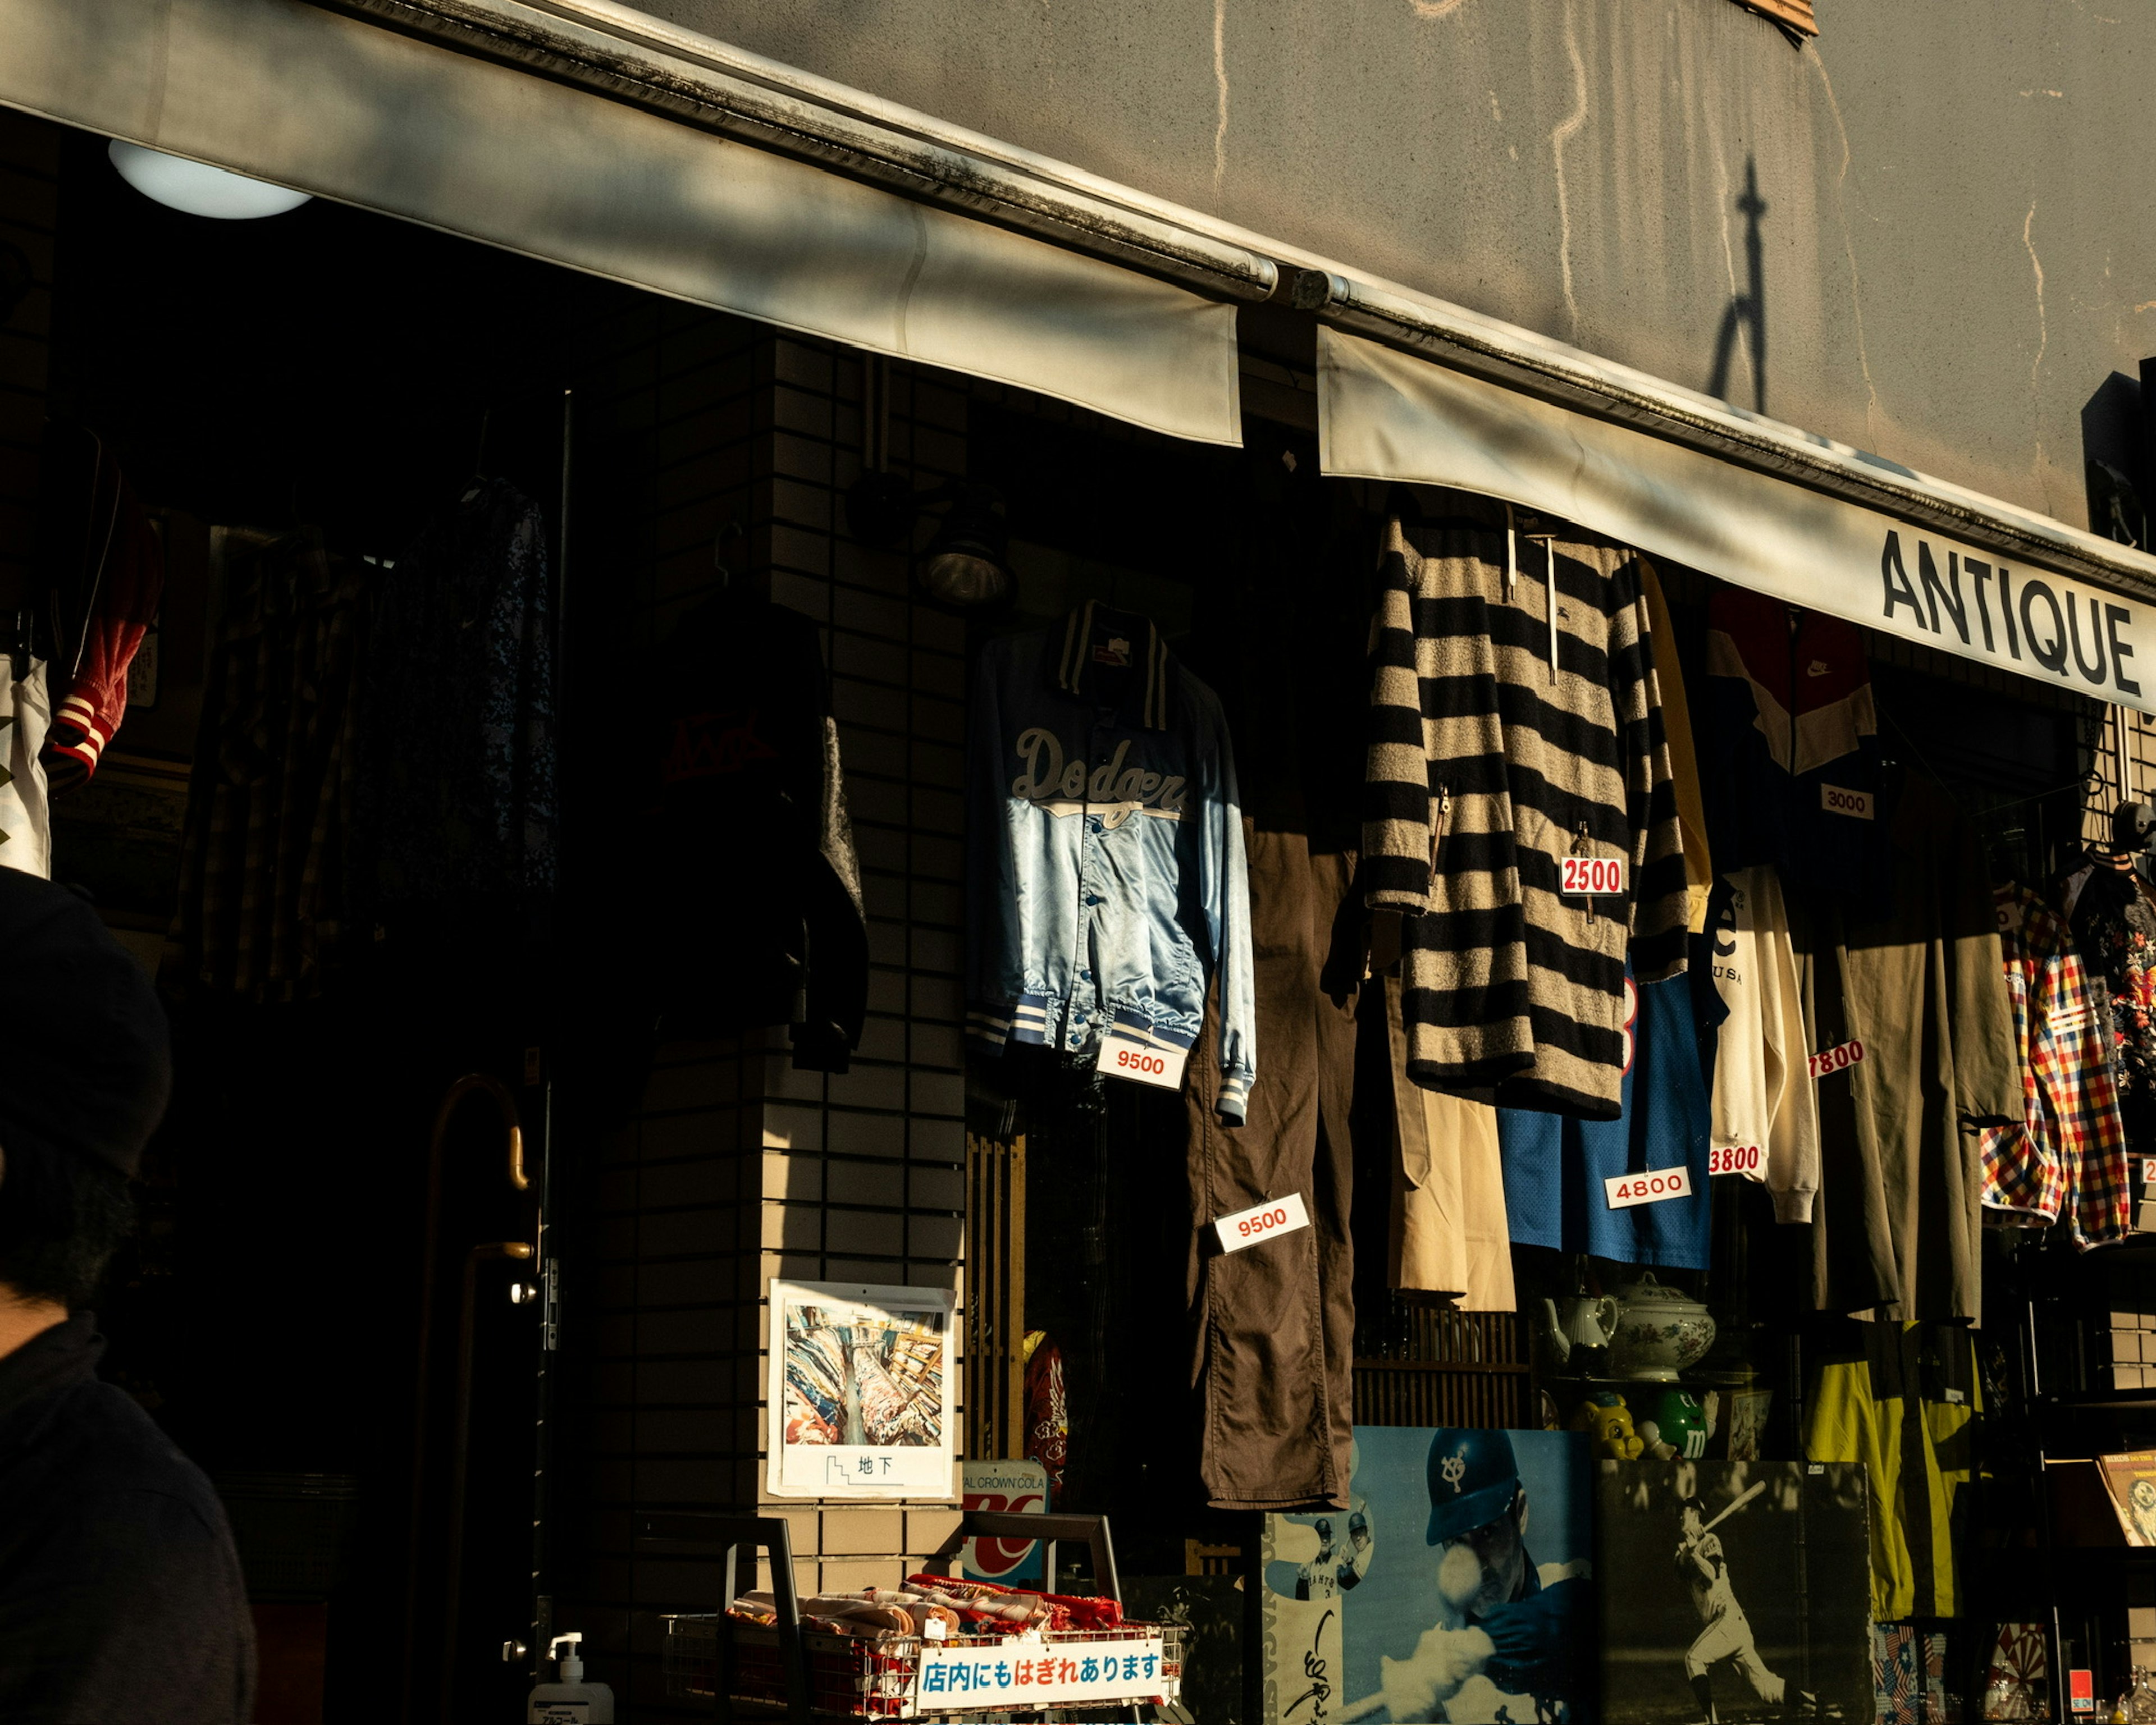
1582 1322
1661 1332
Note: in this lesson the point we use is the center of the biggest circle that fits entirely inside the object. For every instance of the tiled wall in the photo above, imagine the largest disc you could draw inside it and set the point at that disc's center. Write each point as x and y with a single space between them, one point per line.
738 1168
29 190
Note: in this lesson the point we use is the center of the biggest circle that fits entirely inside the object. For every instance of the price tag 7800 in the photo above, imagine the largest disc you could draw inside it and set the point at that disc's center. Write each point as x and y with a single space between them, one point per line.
1838 1059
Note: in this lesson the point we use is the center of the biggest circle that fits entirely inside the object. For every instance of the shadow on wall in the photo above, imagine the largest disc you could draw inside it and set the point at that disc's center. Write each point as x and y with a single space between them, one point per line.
1747 313
2114 458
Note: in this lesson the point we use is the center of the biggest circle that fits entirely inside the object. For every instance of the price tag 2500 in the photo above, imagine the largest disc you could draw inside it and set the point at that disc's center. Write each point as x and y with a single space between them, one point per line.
1591 876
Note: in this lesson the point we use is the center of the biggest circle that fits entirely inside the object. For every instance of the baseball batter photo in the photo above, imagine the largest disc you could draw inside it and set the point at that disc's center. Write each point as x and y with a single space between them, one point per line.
1725 1631
1735 1592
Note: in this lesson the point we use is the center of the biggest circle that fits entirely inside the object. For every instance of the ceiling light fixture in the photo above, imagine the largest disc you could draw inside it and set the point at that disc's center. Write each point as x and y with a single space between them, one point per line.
198 188
966 565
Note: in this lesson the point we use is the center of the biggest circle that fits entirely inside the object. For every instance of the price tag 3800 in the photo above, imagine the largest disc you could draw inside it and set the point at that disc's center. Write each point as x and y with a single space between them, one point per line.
1750 1160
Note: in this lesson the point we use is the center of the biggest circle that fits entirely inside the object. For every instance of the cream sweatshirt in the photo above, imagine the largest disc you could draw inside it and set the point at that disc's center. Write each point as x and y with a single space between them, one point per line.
1763 1094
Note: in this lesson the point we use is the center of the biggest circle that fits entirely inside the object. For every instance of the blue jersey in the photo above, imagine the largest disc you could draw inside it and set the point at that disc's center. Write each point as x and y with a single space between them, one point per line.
1555 1167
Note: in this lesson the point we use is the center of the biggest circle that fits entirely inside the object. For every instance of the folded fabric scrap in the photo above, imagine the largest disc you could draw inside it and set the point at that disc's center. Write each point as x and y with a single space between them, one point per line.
871 1614
961 1607
1064 1611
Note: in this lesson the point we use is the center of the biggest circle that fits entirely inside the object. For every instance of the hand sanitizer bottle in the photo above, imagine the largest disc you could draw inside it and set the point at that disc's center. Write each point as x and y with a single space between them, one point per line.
572 1700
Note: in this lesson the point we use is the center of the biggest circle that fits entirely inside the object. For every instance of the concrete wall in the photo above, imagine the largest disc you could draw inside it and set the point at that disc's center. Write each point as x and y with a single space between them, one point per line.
1940 208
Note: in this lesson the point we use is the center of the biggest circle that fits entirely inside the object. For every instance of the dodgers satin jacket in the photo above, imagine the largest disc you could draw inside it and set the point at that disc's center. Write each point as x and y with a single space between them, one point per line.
1105 885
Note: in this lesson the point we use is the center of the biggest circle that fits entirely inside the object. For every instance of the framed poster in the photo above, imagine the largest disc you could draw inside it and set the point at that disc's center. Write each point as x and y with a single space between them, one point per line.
862 1393
1455 1586
2130 1480
1736 1590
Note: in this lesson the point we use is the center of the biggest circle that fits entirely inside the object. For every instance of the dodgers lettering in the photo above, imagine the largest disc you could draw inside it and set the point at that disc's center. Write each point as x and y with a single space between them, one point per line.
1112 791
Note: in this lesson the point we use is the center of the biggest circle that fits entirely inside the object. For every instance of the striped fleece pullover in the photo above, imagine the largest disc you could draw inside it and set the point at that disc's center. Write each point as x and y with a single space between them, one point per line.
1489 764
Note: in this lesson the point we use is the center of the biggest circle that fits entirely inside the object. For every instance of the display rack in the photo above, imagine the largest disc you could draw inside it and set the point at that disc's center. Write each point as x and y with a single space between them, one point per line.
781 1671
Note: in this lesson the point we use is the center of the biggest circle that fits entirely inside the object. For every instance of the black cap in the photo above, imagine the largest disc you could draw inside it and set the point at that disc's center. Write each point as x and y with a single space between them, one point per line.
86 1053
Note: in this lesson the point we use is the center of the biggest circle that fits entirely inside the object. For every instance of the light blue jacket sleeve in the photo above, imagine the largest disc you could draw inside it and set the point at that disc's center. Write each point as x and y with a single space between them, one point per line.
1228 908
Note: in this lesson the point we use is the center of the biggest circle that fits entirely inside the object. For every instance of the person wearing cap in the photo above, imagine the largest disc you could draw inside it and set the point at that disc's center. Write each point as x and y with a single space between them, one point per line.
121 1601
1537 1618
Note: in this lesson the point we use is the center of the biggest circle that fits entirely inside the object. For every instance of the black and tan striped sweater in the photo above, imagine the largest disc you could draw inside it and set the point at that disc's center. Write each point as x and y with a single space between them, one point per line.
1488 765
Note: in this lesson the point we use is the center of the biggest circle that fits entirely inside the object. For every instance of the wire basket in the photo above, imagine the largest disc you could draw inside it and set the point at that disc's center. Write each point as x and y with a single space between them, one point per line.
858 1678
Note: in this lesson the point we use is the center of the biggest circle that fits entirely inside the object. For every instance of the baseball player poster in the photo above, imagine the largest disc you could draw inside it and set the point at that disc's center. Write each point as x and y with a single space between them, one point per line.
1734 1592
1456 1586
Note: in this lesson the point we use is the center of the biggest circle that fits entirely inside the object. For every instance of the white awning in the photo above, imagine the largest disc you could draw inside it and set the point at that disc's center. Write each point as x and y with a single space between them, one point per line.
347 109
1974 589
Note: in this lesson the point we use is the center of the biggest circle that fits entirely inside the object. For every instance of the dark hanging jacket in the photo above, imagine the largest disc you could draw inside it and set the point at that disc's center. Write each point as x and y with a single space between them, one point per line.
1791 752
455 801
121 1601
755 889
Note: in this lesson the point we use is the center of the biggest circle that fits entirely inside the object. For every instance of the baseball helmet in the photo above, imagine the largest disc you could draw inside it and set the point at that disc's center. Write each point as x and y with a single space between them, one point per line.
1473 1480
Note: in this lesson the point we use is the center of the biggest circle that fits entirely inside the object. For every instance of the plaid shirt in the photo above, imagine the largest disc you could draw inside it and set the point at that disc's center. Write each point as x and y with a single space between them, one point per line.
2067 1159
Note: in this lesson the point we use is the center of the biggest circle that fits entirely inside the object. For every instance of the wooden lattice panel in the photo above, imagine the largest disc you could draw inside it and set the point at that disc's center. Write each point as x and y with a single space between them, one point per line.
995 1298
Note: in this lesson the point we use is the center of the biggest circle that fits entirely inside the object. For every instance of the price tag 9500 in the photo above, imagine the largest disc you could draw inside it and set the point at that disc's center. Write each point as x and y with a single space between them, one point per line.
1128 1053
1246 1228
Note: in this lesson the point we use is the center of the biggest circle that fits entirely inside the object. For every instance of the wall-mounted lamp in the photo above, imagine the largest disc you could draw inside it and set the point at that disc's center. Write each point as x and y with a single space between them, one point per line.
965 566
198 188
